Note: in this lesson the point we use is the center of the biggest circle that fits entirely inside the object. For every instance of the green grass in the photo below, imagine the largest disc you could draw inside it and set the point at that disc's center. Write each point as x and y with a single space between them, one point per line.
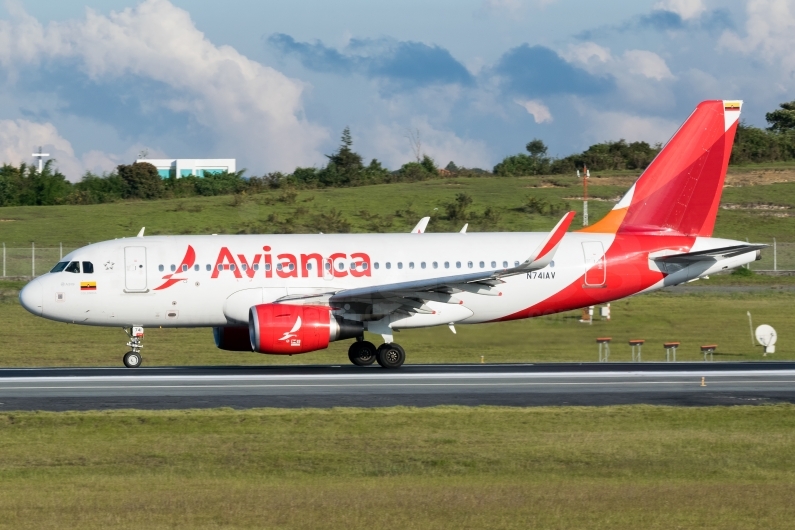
693 319
443 467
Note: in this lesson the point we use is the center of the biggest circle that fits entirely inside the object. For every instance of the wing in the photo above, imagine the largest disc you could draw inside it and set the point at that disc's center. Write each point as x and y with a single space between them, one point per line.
410 297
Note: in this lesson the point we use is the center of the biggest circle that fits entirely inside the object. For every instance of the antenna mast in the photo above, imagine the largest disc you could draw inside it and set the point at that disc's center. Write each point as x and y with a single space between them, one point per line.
40 156
586 174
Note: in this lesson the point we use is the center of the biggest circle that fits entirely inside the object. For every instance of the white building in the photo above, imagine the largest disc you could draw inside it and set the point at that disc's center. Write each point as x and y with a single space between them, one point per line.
186 167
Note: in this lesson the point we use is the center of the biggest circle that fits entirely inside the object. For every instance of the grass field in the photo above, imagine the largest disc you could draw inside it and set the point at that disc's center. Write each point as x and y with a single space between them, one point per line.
444 467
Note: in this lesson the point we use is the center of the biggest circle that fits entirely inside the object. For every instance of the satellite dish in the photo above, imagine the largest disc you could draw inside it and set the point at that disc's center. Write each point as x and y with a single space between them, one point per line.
766 336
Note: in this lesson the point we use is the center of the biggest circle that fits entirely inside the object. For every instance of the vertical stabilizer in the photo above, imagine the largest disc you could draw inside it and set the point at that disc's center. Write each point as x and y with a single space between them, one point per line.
680 191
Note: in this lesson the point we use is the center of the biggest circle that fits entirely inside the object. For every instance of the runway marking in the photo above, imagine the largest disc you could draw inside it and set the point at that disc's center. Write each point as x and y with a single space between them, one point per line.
386 376
319 385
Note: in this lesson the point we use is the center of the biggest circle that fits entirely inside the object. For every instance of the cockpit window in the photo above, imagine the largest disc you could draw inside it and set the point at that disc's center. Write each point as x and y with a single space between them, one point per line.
73 266
88 267
61 265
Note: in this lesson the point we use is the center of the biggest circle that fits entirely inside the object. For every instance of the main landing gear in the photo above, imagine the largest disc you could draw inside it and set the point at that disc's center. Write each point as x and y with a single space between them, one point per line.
388 355
133 359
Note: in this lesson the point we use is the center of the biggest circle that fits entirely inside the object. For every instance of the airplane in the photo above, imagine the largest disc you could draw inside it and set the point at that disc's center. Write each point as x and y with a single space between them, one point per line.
290 294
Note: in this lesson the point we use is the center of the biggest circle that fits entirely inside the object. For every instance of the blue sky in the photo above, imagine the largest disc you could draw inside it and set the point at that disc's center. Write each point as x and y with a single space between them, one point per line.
273 83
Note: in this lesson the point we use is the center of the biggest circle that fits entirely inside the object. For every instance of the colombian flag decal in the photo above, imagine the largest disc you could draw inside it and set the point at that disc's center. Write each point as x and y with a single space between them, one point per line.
88 286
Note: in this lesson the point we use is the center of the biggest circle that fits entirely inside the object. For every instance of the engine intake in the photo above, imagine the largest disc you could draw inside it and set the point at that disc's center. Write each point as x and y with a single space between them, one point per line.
289 329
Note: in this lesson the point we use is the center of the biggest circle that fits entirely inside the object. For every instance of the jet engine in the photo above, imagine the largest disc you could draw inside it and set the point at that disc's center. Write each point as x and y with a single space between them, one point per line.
288 329
232 338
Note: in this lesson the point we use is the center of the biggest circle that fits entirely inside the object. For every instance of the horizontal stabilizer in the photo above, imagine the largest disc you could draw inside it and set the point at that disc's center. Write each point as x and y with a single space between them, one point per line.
715 253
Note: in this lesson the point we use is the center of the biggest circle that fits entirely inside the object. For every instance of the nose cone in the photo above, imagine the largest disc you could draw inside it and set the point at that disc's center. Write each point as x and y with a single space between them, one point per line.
32 297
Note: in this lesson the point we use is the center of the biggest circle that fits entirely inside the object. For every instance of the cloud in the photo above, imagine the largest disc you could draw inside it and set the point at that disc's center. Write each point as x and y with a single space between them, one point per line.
408 64
598 60
614 125
391 141
647 64
252 111
686 9
535 108
537 71
20 138
769 34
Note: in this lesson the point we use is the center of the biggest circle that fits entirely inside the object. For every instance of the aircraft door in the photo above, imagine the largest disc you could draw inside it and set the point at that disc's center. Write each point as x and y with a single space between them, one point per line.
595 265
135 269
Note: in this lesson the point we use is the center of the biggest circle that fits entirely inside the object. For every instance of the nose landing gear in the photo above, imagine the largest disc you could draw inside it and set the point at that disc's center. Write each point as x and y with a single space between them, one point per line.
132 359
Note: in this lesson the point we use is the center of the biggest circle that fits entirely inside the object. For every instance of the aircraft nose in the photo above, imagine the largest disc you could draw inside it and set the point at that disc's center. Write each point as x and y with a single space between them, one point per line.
32 297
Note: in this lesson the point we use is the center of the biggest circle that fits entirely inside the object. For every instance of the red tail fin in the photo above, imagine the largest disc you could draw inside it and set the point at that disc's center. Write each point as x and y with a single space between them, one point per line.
680 190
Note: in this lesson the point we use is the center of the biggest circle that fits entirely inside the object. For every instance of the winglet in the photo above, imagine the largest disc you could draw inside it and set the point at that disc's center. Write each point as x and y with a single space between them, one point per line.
141 233
543 254
421 226
464 229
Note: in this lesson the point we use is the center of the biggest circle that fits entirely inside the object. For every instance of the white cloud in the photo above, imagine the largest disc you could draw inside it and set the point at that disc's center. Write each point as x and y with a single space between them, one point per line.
254 111
394 147
535 108
587 53
613 125
687 9
647 64
770 33
19 139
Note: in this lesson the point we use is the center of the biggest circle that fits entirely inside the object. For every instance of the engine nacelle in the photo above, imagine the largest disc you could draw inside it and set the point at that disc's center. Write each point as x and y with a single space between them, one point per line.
287 329
232 338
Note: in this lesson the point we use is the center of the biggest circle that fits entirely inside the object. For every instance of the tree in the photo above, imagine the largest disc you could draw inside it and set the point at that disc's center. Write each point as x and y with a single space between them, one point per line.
141 181
536 148
782 119
346 163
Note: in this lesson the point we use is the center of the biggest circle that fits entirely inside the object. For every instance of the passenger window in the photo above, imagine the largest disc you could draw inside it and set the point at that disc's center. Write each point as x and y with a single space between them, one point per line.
435 265
290 266
400 264
364 266
505 264
376 265
184 268
457 264
353 266
515 263
256 266
469 264
173 267
308 266
482 264
493 264
268 266
196 267
278 266
209 267
160 268
231 266
220 267
411 264
388 265
341 266
244 266
88 267
422 264
61 265
446 264
73 267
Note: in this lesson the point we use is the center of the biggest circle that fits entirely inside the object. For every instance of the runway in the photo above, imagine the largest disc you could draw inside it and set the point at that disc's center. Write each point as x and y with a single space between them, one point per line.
591 384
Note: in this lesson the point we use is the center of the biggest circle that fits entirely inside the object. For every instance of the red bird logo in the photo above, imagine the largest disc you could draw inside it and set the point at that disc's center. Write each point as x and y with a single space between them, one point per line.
187 263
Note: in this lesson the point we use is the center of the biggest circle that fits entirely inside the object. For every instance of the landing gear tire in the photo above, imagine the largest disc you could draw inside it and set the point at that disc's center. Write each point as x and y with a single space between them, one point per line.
362 353
132 359
390 355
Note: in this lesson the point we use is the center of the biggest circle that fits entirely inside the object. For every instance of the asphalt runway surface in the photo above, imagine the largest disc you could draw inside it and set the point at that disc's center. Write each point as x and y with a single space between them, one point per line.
591 384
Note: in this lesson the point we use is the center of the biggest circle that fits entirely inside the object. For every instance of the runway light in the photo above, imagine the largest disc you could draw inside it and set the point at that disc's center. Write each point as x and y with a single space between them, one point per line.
703 383
482 359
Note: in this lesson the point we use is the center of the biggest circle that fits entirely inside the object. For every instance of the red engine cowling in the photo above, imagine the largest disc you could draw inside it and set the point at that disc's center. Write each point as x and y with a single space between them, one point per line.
232 338
288 329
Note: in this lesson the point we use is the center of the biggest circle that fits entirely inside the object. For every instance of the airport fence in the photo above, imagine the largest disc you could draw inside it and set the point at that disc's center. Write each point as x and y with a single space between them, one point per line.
27 262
